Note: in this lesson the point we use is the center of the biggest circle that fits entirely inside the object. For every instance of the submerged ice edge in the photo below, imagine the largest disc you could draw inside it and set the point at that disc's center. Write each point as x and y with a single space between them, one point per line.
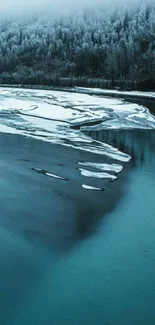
92 188
103 167
88 173
95 147
49 174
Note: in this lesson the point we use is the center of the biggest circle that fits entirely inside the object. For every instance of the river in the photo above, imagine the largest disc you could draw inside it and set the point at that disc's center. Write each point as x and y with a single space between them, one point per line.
105 275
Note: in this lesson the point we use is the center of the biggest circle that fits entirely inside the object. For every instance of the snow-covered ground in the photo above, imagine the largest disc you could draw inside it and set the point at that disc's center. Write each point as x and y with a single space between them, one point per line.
57 116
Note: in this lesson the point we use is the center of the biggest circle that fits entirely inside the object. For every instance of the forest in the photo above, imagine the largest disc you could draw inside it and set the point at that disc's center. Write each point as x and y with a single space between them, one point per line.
97 47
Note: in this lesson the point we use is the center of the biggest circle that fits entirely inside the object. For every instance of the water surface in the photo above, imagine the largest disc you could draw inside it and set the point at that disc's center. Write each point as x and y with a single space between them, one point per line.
87 268
107 278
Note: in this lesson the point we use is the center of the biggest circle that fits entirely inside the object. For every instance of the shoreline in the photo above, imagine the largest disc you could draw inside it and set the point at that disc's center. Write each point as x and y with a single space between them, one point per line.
132 94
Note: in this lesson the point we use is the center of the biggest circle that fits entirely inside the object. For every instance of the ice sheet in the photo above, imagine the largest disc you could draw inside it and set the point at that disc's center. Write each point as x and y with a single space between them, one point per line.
55 116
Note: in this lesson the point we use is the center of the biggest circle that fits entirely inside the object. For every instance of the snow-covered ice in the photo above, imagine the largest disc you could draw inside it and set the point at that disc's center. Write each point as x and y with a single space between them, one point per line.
58 116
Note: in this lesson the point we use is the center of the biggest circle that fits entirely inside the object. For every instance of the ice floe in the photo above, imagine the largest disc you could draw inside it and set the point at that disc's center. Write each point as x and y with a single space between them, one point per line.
88 173
92 188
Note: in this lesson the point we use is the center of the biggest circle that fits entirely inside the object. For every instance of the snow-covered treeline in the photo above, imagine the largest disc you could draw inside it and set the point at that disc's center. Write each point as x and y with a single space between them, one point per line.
111 45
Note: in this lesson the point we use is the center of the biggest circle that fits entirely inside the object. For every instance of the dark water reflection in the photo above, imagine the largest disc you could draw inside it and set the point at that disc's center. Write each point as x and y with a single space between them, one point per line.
139 144
108 278
42 196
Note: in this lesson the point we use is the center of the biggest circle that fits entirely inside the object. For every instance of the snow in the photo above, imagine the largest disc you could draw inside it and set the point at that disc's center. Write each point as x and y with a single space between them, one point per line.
37 108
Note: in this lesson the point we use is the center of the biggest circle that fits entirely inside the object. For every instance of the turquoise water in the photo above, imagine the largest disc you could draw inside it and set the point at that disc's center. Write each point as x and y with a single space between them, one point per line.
107 278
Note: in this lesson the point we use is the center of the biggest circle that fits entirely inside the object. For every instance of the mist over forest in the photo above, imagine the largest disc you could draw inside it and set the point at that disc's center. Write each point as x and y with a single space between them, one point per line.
58 43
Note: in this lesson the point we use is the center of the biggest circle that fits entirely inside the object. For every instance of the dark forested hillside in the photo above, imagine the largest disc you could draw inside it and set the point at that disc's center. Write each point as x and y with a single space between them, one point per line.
117 46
